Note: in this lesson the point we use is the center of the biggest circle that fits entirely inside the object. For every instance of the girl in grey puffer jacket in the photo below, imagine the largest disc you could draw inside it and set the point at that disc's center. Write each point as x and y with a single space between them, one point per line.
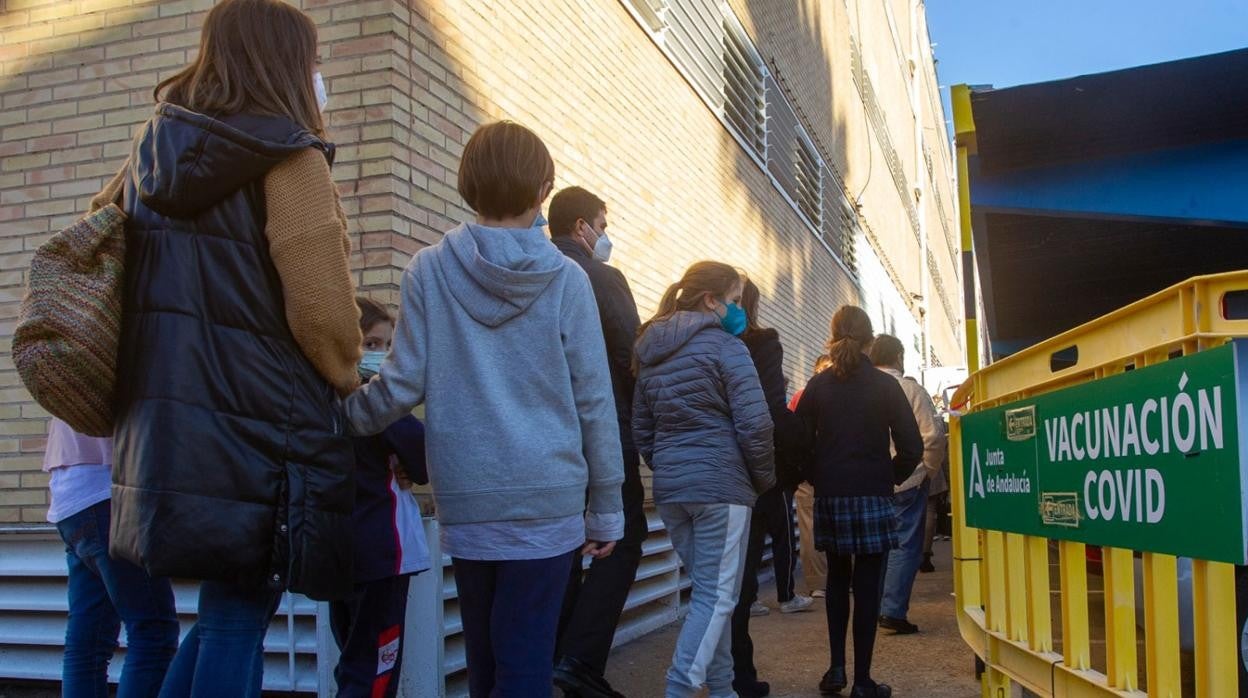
701 422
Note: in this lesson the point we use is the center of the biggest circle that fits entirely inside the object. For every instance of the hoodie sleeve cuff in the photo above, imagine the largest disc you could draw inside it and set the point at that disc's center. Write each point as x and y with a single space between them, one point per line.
604 528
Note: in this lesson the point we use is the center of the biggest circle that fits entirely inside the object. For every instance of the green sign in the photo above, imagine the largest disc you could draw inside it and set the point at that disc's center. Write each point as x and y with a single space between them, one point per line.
1149 460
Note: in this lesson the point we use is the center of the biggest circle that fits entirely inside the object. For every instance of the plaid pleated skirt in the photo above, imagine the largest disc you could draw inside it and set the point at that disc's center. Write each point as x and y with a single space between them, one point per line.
855 525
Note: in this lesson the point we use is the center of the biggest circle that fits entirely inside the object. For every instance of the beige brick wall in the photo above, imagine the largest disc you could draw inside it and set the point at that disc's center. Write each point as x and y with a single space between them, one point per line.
408 82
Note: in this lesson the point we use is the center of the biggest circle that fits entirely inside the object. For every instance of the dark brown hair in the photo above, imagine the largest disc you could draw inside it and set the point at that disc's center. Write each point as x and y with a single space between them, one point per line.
886 350
851 333
569 206
503 170
372 313
255 56
749 303
703 278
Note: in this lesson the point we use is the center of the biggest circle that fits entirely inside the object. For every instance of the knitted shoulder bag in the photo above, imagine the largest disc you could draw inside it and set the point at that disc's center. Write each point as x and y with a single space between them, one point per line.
69 324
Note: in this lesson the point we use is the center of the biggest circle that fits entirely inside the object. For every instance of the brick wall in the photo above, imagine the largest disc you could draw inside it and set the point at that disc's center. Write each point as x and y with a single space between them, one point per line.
408 82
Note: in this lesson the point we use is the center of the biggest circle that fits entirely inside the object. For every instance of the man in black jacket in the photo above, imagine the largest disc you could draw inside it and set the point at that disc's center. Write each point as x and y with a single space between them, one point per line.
595 599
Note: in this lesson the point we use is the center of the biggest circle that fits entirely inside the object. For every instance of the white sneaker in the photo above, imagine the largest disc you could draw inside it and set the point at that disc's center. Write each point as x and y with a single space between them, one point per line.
819 594
797 604
758 609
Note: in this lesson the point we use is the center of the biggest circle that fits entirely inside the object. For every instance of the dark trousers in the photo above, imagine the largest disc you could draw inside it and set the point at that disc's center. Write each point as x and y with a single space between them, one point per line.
368 627
510 612
595 598
773 515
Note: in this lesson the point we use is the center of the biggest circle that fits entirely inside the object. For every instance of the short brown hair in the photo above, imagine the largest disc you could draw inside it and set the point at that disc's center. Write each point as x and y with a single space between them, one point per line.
372 313
569 206
255 56
503 170
886 350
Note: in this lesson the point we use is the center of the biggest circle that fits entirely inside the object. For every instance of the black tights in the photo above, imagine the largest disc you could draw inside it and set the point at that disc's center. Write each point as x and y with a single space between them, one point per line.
866 572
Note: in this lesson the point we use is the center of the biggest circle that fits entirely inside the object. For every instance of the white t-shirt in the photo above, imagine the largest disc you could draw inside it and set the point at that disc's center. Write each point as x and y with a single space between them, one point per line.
75 487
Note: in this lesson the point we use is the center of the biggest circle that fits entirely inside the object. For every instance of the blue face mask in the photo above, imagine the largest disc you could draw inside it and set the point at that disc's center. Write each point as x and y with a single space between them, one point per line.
734 321
540 221
370 364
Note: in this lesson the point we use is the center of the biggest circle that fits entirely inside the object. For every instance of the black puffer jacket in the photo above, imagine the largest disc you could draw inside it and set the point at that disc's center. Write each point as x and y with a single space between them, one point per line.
768 355
699 417
231 459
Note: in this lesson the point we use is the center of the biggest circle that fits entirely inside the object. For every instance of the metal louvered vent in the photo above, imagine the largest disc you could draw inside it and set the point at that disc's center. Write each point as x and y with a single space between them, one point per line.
744 103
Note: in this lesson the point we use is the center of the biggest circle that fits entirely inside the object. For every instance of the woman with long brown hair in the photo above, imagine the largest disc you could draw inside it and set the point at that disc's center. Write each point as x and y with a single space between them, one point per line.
850 413
773 512
240 332
701 422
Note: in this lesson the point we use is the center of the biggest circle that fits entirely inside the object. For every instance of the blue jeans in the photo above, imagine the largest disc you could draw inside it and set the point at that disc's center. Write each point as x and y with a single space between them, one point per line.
223 653
904 560
103 594
510 610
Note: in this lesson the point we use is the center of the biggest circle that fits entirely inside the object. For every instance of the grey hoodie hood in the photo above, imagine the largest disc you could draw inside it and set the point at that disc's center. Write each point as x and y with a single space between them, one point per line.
665 337
495 274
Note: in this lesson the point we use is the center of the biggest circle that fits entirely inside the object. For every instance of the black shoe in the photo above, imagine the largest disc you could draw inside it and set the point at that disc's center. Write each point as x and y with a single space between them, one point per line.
752 689
899 626
834 681
926 567
576 679
875 690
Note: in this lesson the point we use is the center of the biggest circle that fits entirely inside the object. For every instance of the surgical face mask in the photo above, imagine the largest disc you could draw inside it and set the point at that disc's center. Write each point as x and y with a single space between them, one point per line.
540 221
734 321
370 363
318 84
602 248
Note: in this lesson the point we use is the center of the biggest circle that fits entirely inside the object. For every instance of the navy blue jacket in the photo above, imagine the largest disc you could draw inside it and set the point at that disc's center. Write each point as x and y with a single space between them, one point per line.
848 423
231 461
378 535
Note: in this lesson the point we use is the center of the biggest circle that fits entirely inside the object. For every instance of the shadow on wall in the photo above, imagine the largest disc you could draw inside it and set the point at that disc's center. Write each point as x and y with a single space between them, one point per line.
801 282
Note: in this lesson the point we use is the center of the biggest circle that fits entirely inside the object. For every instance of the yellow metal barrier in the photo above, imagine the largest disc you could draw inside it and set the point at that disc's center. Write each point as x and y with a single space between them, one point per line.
1002 580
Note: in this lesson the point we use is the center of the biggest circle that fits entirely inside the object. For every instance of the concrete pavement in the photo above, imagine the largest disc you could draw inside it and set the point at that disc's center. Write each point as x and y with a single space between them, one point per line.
791 651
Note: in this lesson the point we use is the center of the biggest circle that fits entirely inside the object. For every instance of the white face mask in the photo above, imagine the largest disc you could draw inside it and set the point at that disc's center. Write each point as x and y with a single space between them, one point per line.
318 84
602 249
602 246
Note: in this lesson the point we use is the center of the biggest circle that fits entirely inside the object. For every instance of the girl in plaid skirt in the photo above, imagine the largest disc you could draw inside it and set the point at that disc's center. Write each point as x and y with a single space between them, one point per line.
851 414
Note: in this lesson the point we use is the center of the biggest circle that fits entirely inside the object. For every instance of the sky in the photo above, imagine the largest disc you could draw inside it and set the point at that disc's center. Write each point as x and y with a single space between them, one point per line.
1014 42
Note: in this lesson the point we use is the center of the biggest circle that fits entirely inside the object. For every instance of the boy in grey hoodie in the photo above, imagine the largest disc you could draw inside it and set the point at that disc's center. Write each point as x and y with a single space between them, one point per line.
498 335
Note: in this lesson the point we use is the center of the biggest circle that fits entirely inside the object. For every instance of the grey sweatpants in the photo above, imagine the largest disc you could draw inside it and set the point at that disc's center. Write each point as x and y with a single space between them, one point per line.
711 542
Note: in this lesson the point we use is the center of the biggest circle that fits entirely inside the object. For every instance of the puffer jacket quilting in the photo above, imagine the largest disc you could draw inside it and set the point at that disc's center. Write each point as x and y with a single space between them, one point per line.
699 416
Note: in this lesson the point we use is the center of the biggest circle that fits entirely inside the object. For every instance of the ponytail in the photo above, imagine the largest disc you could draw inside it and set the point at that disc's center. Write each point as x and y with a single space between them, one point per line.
714 278
851 334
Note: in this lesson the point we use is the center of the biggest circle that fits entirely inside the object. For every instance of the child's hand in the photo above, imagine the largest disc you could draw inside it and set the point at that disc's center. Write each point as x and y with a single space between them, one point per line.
598 550
400 475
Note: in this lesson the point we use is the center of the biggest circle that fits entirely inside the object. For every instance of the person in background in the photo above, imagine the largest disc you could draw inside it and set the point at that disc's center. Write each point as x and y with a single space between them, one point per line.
814 562
595 599
850 413
773 511
937 500
910 497
239 335
498 336
701 421
388 536
103 593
